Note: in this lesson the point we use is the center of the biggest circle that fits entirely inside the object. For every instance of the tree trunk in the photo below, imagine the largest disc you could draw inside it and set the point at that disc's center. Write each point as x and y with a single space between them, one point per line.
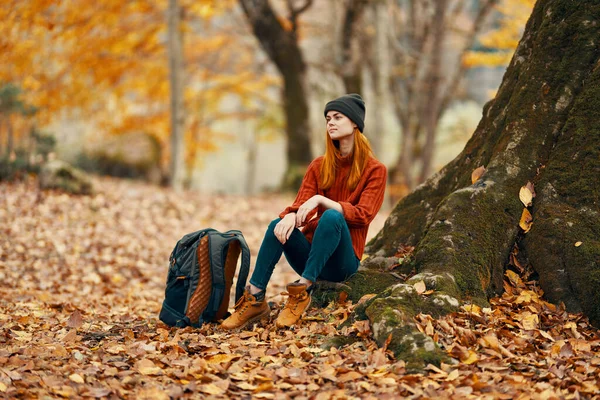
2 119
433 85
542 127
251 161
380 69
281 45
9 139
176 74
351 61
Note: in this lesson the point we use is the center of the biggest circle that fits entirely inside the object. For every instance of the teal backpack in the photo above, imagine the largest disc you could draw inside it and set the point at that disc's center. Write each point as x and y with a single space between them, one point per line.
201 270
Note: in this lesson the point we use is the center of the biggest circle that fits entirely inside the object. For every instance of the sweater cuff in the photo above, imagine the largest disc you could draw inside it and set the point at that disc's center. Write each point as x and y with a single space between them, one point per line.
287 211
347 210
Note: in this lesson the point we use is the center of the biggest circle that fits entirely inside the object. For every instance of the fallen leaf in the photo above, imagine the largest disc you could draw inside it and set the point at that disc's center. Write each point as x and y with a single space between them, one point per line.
477 173
211 388
366 298
75 320
530 186
349 376
577 244
147 367
420 287
526 196
152 393
526 220
363 328
472 358
472 308
514 278
429 329
566 351
222 358
452 375
491 341
76 378
245 386
70 336
263 387
530 321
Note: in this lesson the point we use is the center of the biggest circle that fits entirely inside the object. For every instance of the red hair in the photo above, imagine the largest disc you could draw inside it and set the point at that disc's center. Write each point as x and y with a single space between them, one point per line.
360 156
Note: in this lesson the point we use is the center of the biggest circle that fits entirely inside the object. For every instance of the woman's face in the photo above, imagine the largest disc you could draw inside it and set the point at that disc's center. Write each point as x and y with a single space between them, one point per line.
338 125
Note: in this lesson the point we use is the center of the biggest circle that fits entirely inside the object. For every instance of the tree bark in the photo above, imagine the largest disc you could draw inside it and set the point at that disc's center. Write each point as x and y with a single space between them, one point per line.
281 45
9 138
379 66
351 61
176 75
433 85
542 127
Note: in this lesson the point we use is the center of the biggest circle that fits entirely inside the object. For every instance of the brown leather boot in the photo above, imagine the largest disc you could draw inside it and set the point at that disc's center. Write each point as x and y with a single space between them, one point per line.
298 302
247 311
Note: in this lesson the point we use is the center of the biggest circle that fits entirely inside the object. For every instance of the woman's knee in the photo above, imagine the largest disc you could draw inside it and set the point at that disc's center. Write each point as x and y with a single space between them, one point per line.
332 216
272 225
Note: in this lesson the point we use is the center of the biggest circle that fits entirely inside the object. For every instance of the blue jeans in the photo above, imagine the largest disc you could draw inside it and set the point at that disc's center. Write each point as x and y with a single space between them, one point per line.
330 256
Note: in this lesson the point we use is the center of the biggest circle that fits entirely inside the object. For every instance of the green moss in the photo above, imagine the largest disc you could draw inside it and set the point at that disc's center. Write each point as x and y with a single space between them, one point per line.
368 282
339 342
360 284
568 203
471 240
416 349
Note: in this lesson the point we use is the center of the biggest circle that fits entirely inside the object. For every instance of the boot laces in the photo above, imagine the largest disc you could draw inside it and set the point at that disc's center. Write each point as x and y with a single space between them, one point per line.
294 299
243 303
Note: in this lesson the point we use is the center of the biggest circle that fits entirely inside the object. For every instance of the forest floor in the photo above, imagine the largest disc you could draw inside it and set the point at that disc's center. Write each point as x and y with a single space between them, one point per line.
82 281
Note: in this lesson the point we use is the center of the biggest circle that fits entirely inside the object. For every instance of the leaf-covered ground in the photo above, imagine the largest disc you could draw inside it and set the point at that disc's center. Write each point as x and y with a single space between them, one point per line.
82 279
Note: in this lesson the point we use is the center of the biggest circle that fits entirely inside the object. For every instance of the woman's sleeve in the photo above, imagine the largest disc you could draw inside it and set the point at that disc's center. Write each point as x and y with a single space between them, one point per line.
370 201
308 188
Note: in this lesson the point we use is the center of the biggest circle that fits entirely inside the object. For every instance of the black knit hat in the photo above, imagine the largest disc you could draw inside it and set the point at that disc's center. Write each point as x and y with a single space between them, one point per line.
352 106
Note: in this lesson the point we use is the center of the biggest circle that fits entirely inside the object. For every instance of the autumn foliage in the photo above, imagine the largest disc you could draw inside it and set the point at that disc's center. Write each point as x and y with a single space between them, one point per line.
498 45
105 62
82 279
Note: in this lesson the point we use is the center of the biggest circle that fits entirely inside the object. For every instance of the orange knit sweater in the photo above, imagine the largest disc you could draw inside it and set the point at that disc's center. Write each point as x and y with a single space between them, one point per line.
359 206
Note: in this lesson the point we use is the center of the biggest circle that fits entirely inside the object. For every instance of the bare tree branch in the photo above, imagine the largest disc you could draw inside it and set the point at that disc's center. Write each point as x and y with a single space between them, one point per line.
296 11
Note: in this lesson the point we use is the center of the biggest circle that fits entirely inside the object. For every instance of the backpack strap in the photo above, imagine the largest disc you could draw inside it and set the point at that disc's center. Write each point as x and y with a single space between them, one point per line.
218 243
245 266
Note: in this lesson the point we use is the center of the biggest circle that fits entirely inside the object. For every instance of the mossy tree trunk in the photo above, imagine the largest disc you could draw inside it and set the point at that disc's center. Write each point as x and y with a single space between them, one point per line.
543 127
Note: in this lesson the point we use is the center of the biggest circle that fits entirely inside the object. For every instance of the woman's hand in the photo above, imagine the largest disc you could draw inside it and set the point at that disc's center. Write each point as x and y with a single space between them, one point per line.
285 227
306 208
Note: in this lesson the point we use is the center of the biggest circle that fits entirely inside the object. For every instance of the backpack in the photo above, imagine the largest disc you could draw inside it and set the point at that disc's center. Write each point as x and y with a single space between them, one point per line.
201 270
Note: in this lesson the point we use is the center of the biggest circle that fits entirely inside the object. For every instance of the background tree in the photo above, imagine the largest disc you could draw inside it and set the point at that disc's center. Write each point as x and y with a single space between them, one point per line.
106 62
420 48
177 111
279 38
10 103
541 128
350 44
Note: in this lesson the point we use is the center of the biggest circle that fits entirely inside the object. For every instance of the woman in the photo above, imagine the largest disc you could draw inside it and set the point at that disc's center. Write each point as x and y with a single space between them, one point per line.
340 195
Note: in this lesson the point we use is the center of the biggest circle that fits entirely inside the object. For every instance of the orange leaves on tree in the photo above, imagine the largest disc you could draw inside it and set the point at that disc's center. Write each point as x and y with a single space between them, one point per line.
107 61
500 43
